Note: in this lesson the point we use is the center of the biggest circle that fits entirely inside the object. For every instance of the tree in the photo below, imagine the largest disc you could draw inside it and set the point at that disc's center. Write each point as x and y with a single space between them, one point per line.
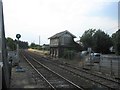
10 43
32 45
35 46
87 38
116 41
23 45
98 40
102 42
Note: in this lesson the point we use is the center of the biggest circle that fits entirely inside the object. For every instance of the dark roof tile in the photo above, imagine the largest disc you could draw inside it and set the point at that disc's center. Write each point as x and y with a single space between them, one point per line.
60 34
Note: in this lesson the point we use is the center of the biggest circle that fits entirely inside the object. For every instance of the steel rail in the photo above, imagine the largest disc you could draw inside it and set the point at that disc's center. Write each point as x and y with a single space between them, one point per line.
58 74
95 74
89 78
39 72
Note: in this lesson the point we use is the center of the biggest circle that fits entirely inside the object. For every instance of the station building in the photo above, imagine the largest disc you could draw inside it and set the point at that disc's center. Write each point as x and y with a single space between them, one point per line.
62 41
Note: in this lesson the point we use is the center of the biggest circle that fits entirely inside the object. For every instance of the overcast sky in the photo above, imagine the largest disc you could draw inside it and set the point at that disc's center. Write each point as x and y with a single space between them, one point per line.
32 18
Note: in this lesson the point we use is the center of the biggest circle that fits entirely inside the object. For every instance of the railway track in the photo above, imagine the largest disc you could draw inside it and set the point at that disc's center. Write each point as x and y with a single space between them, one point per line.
52 79
107 82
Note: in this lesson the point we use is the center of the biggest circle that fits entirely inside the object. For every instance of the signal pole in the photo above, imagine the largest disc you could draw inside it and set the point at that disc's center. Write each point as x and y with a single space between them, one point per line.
18 36
18 68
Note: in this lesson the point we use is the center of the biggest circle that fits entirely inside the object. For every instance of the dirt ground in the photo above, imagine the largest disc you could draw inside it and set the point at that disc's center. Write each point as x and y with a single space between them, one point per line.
23 79
76 61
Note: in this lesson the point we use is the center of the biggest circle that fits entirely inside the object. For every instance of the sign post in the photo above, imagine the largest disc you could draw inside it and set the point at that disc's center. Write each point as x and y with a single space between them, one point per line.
90 50
111 71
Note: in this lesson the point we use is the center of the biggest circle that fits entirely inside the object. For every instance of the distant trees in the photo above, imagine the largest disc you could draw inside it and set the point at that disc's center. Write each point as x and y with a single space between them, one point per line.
116 41
98 40
87 38
11 44
32 45
101 42
35 46
23 44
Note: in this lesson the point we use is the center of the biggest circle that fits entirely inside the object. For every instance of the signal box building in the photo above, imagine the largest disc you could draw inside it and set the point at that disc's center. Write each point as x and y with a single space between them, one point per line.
60 42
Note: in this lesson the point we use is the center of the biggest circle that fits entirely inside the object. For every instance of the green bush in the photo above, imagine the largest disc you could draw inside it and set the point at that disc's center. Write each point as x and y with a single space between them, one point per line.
69 54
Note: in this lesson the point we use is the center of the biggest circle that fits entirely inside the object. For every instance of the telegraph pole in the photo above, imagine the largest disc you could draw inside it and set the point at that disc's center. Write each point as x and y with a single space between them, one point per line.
39 41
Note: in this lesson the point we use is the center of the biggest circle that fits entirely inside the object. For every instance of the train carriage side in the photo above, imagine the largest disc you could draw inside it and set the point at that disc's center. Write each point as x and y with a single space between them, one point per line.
4 63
